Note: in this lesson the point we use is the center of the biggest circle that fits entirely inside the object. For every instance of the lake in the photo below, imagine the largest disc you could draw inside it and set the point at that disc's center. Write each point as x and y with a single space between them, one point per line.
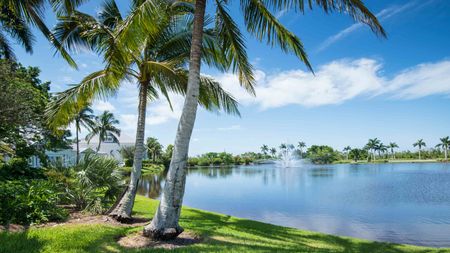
401 202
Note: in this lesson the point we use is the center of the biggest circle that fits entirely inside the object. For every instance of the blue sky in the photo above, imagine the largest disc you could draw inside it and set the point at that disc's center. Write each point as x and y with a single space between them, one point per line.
365 87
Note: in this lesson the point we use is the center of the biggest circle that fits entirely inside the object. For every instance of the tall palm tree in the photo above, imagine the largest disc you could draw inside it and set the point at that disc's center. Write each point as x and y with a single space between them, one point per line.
18 17
154 59
347 151
420 143
445 143
83 118
301 145
264 149
104 127
372 146
261 23
393 145
273 152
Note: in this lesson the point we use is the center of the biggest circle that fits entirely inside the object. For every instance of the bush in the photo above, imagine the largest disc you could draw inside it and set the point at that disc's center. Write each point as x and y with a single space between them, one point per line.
18 168
128 162
29 201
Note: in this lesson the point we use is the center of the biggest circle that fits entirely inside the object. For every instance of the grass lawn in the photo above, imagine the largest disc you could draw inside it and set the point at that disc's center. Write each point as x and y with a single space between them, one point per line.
221 233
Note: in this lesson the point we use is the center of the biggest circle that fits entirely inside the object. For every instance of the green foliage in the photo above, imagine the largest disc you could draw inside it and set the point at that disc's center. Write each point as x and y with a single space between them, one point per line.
18 168
29 201
193 161
322 154
357 154
129 162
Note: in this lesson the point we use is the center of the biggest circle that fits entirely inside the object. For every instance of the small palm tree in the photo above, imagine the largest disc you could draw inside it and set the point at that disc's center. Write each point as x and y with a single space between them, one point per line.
264 149
420 143
347 150
445 143
84 118
393 145
273 152
104 127
301 145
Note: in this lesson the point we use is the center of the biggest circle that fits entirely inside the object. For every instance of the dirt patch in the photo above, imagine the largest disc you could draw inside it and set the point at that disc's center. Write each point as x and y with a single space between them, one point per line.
13 228
80 218
138 240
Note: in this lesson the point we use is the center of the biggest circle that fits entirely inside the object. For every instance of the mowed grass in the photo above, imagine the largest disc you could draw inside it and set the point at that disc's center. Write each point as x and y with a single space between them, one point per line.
220 233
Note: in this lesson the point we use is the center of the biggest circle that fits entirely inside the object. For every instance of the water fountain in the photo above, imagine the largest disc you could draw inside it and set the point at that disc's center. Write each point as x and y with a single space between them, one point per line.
288 156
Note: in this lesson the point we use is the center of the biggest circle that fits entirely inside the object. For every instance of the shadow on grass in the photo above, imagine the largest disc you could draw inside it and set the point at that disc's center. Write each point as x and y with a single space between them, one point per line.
19 242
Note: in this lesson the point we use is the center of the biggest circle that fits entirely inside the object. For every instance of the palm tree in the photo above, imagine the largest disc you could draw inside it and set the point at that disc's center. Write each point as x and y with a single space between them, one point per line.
154 148
103 128
445 143
301 145
261 23
420 143
17 19
393 145
83 118
347 150
273 152
372 146
264 149
154 59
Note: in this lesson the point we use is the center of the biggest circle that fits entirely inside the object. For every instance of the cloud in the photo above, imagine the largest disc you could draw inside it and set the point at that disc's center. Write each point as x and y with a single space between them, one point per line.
230 128
383 15
100 105
340 81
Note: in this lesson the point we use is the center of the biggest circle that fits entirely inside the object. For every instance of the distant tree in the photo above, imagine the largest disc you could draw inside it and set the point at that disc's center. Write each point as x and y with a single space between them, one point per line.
104 127
83 118
372 146
322 154
301 145
273 152
154 148
445 143
356 154
346 151
420 143
264 149
393 145
127 152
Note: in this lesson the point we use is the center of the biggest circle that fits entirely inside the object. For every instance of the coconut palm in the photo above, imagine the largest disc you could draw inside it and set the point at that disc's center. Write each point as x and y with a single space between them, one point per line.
19 17
264 149
393 145
153 59
83 118
347 150
273 152
261 23
104 128
445 143
420 143
301 145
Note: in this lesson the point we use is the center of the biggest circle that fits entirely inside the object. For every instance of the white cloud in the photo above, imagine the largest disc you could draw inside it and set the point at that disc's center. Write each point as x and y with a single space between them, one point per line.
100 105
340 81
230 128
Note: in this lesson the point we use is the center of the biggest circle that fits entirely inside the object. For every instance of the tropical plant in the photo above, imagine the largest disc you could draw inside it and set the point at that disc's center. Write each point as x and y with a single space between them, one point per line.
104 128
19 17
393 145
301 145
445 143
372 146
83 118
273 152
155 59
264 149
357 154
154 148
346 151
420 143
261 23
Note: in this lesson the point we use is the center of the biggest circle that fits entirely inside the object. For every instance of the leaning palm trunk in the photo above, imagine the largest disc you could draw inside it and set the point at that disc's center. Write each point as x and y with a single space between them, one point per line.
165 222
122 211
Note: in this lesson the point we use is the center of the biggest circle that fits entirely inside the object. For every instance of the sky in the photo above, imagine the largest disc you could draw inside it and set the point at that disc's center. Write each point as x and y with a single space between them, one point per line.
395 89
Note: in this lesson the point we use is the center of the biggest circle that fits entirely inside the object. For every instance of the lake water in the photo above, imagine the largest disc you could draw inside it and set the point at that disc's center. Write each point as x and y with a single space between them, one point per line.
403 203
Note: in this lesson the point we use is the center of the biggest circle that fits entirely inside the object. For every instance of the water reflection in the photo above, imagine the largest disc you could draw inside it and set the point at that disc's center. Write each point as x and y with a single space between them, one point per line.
404 203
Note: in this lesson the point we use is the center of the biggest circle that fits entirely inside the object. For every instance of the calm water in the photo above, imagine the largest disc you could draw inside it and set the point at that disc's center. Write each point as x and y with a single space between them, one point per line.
403 203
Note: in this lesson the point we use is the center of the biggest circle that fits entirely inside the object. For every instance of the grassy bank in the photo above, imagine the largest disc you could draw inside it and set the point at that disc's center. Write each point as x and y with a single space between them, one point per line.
221 233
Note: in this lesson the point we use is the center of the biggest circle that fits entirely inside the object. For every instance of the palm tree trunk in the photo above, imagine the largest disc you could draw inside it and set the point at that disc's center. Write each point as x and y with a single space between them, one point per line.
77 126
99 143
165 222
122 211
445 152
419 155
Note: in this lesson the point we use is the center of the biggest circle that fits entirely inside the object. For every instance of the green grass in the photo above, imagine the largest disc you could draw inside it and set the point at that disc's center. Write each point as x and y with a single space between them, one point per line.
221 233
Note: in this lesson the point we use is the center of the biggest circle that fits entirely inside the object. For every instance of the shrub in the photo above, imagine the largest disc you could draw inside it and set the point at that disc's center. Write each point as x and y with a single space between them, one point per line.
18 168
29 201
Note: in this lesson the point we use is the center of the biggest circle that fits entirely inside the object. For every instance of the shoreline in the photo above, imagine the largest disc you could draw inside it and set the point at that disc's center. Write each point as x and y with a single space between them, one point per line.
218 233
